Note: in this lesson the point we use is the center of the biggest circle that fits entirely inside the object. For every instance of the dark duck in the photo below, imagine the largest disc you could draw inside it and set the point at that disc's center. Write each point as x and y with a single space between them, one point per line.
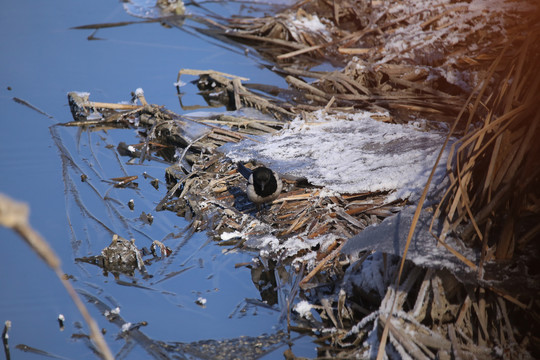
264 184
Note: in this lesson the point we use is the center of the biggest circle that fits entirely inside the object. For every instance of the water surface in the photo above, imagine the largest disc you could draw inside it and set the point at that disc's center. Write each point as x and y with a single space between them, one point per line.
41 60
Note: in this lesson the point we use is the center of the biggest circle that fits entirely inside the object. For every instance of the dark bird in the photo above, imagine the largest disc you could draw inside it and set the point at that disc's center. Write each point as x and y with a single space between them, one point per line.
264 185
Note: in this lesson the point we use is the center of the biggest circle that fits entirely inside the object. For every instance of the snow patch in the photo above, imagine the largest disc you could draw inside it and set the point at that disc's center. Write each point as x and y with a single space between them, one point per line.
349 153
303 308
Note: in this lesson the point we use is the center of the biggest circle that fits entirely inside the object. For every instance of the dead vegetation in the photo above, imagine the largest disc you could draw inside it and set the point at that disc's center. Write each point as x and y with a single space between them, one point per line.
205 187
406 61
410 58
434 316
496 166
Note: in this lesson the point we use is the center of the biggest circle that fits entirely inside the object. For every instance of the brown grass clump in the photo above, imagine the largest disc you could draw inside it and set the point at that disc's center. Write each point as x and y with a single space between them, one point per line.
494 199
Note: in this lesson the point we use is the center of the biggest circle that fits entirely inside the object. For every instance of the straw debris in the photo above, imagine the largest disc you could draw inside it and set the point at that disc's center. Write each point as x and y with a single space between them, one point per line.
412 58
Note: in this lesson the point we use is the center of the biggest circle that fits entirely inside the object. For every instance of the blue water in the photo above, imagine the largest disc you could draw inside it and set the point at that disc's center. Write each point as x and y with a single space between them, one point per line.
41 60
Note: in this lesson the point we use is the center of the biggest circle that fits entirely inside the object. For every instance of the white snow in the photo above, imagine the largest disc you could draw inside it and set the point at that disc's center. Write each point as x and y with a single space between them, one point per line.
94 115
200 301
349 153
312 23
82 94
309 23
453 24
303 308
269 245
230 235
114 311
372 275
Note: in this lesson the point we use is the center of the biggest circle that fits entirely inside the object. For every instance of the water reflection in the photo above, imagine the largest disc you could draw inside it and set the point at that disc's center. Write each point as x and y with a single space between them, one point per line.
95 157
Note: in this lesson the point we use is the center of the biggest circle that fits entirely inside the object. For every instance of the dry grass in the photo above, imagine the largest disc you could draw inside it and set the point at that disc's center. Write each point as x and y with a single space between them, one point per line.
405 60
493 201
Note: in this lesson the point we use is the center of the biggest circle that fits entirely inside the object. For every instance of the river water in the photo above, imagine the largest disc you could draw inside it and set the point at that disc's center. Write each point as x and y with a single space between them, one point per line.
42 59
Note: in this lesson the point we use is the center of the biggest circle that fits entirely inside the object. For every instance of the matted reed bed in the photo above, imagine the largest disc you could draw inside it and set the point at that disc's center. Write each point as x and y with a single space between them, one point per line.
464 67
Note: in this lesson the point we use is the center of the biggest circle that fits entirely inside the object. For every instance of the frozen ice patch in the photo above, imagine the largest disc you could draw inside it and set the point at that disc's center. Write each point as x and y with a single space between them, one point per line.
230 235
349 153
